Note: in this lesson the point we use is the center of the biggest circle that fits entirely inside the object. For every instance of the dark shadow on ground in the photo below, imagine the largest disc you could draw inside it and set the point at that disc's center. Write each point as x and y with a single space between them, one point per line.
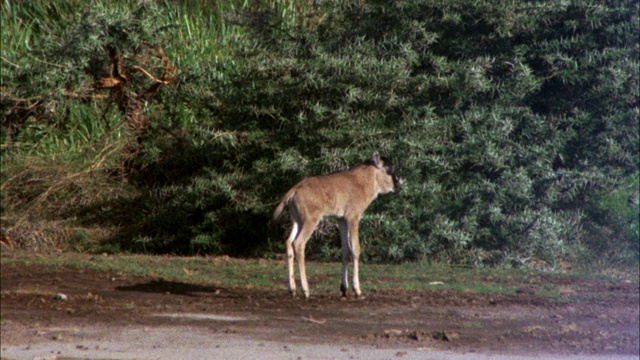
174 287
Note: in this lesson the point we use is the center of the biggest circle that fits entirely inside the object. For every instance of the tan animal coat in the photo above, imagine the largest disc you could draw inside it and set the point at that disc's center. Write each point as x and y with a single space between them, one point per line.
344 194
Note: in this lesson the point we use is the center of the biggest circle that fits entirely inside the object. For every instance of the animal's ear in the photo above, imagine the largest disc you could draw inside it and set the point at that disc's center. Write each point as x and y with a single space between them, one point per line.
376 158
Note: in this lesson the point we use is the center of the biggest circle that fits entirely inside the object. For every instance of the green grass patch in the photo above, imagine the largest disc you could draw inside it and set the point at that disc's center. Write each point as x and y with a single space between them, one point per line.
261 274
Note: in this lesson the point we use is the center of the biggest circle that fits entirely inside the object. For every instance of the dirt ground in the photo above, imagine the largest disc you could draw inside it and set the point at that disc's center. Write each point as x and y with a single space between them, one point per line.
599 319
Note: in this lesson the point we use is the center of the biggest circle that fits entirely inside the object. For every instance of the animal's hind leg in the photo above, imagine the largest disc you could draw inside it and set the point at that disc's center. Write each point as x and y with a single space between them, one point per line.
299 245
290 258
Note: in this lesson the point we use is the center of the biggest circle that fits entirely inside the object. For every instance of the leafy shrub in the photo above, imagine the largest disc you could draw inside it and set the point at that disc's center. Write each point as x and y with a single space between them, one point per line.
514 127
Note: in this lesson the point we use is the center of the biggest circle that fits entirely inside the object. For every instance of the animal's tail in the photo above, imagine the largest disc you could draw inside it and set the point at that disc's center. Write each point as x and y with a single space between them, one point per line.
283 203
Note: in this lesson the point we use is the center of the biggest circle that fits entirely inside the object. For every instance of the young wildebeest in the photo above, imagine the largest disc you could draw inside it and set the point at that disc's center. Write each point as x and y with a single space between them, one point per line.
345 194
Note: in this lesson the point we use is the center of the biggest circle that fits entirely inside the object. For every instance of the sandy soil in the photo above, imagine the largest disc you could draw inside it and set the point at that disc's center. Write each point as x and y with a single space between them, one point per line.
108 315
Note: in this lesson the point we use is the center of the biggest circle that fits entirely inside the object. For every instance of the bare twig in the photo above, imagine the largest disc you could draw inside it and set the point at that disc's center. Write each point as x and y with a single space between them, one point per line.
312 320
154 79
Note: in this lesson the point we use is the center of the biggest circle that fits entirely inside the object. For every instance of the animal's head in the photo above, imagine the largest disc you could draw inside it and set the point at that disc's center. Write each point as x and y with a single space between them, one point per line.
385 176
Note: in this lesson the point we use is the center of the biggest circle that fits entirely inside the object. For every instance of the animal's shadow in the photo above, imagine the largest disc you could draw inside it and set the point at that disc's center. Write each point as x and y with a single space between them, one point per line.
178 288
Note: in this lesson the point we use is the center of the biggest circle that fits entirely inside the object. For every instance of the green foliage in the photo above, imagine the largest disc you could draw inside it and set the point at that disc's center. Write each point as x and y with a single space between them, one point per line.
613 224
514 126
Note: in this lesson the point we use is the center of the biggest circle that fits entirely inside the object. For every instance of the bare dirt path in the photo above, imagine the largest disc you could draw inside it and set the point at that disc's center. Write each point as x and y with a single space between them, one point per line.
108 315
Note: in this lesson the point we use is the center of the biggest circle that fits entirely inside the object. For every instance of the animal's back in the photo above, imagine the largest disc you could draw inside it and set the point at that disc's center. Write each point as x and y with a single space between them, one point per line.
334 193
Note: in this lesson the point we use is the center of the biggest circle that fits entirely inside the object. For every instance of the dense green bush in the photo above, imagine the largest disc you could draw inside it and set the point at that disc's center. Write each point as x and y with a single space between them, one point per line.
514 127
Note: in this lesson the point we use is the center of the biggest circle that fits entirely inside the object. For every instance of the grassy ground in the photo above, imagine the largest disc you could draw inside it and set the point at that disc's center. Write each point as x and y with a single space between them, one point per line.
263 274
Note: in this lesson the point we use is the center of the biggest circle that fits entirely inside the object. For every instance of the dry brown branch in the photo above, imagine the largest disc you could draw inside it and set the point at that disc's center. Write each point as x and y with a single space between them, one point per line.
85 96
109 82
156 80
131 103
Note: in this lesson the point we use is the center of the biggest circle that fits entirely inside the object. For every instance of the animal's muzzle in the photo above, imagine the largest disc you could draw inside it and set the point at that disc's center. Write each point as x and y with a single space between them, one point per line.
396 183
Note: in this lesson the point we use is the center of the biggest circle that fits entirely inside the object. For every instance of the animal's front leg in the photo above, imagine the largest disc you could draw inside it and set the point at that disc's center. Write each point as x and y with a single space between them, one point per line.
346 256
354 244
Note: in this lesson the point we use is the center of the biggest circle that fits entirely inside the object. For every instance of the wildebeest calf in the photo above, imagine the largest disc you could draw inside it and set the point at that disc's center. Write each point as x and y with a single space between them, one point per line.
345 194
